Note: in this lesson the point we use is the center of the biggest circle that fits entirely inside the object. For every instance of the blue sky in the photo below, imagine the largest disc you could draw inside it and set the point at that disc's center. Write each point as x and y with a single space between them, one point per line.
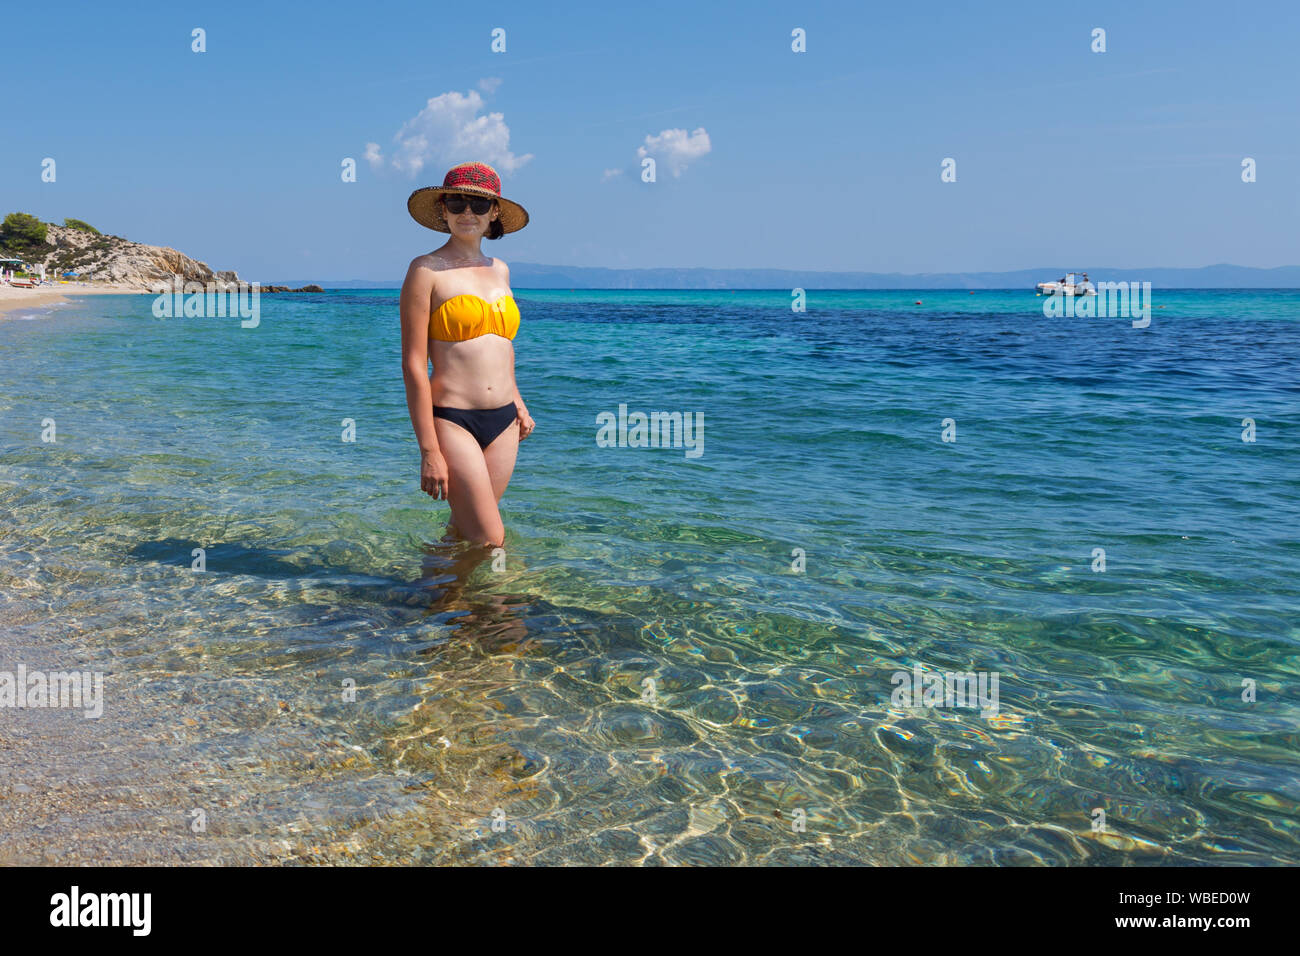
824 160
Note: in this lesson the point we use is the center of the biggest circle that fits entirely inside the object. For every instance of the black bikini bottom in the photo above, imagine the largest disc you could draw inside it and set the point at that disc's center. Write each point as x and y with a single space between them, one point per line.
485 424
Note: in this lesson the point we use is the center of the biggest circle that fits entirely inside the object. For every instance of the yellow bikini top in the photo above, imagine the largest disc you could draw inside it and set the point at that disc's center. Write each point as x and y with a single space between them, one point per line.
468 316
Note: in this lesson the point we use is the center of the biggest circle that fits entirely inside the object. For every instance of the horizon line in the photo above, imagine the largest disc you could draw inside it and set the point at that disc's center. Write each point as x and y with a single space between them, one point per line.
974 272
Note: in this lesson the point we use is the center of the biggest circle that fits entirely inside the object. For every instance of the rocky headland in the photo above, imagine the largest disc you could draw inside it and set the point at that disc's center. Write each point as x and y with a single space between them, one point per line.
99 258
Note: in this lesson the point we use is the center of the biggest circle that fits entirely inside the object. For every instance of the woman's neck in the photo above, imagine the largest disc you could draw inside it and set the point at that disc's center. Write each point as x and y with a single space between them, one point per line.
459 250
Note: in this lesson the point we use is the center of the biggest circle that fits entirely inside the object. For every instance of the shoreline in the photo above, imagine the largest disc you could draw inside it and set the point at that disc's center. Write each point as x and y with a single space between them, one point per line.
14 299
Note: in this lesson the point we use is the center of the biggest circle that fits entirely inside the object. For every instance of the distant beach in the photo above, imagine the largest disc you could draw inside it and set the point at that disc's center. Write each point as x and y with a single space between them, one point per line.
15 299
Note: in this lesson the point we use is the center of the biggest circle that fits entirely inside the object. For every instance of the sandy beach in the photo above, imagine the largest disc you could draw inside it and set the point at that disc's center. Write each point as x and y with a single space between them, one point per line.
12 298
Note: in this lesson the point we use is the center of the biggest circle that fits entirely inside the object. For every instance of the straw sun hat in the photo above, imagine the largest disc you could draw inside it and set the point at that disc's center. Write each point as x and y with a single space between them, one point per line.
477 179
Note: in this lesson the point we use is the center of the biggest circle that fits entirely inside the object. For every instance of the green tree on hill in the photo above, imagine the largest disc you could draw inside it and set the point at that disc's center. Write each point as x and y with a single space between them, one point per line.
82 225
21 230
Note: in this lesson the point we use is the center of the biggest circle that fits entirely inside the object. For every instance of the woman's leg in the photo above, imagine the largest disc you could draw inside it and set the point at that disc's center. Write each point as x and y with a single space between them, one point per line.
470 491
500 457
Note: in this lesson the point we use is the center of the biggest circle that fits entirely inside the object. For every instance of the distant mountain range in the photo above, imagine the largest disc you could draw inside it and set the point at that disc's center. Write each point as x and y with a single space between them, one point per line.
527 275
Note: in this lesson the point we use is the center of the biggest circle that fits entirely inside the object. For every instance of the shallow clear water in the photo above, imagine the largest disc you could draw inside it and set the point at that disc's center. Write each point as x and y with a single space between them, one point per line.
519 689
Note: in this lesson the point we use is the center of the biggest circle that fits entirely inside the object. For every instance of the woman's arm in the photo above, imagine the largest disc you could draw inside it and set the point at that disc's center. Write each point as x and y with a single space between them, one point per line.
525 420
526 423
417 293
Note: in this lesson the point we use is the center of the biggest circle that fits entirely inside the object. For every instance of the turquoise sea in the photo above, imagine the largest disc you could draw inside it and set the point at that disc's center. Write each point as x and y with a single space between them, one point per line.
676 660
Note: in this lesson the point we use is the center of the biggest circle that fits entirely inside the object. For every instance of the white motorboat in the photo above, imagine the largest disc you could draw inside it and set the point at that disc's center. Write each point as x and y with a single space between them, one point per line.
1072 283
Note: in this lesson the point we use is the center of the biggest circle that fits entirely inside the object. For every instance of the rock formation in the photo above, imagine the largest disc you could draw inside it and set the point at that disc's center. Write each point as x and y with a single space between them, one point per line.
114 259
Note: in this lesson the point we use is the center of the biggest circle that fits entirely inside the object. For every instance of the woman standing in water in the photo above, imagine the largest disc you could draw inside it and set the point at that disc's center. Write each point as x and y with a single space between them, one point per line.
457 310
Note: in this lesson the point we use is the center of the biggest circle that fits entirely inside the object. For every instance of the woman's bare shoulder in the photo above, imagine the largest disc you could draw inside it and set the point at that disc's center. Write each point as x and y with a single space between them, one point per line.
430 261
423 268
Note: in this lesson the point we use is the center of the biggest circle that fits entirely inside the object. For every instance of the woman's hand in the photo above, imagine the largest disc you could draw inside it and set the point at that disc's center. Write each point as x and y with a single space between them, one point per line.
526 423
433 474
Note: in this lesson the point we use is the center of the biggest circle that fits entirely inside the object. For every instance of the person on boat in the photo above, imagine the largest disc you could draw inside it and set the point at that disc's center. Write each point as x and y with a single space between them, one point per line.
457 310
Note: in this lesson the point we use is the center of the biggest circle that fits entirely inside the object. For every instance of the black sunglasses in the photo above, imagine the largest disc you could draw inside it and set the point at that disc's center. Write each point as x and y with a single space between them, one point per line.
477 204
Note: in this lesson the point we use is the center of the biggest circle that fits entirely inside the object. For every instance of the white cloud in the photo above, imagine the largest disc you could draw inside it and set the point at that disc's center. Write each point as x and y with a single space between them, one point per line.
489 84
675 148
610 174
449 130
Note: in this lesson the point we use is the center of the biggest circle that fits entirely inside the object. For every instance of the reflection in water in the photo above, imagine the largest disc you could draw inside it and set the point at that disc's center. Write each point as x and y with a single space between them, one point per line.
480 614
